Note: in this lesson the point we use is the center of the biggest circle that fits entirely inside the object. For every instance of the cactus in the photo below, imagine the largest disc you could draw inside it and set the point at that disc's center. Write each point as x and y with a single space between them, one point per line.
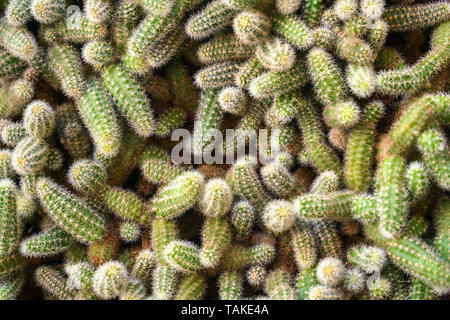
359 151
293 30
242 218
230 285
354 280
9 234
251 26
47 11
434 149
392 197
46 243
404 18
29 156
130 231
53 282
130 99
278 286
278 216
38 119
110 279
178 196
182 256
70 212
164 282
217 198
304 245
256 275
11 287
369 259
20 93
330 272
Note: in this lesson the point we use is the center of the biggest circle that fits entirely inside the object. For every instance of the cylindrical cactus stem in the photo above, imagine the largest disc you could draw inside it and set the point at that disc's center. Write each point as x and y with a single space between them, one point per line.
143 266
359 152
319 152
163 232
79 29
418 259
411 123
10 66
18 41
353 49
10 287
47 11
216 235
421 291
65 63
251 27
39 119
129 231
218 75
389 59
401 81
336 205
278 82
133 290
417 180
246 183
378 287
208 119
306 279
376 37
164 282
435 152
191 287
325 182
98 53
392 197
279 180
6 169
216 199
100 118
294 30
110 279
68 211
356 26
46 243
320 292
303 245
283 109
12 134
330 243
126 17
276 55
53 282
88 177
214 17
157 7
312 11
238 257
18 12
242 219
224 47
178 196
12 263
441 217
9 231
364 208
19 93
161 51
183 256
278 285
328 83
130 98
372 9
29 156
248 71
324 38
230 285
127 205
407 18
159 171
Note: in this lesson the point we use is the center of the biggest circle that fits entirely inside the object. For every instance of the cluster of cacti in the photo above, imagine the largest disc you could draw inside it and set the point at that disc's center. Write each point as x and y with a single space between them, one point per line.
345 196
